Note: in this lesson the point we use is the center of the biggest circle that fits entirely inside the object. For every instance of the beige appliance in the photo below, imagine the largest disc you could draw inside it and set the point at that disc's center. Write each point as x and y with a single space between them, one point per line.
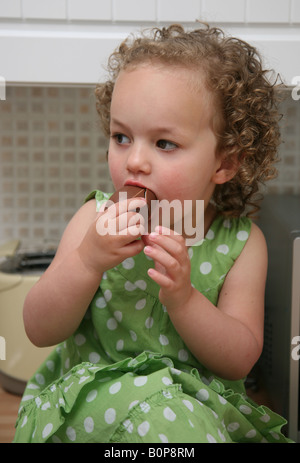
19 357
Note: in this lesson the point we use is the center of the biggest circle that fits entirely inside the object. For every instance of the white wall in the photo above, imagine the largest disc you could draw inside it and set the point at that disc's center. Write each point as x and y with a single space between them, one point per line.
68 41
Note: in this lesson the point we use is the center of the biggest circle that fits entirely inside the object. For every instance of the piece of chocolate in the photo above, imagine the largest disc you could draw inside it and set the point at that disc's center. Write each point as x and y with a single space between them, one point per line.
136 192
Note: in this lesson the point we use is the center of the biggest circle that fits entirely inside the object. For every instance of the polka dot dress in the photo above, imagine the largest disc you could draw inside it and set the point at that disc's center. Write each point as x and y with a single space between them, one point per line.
126 376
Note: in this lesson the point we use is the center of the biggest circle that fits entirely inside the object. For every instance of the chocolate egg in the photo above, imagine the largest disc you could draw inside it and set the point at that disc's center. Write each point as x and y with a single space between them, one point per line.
136 192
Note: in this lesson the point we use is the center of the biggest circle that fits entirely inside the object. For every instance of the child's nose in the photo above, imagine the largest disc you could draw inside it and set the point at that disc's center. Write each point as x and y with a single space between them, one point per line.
139 160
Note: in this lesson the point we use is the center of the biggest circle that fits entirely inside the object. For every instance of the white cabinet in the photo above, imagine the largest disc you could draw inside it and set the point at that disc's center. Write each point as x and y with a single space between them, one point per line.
69 41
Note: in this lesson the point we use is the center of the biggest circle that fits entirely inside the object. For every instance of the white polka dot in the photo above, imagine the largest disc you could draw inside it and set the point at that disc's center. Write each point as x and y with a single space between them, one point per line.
140 304
211 439
118 315
110 415
107 295
115 387
27 397
91 395
89 424
188 404
47 430
223 438
141 284
163 438
250 434
145 407
79 339
128 264
167 394
143 428
50 365
120 345
46 405
174 371
223 249
222 400
24 421
149 322
245 409
82 379
100 303
274 434
210 235
265 418
94 357
71 433
112 324
202 395
128 426
242 235
183 355
38 402
55 440
167 381
129 286
140 381
135 402
40 378
233 426
163 340
205 268
133 335
169 414
67 363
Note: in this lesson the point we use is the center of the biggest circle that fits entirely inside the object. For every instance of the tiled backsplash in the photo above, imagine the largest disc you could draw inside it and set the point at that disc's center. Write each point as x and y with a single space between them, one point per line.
52 154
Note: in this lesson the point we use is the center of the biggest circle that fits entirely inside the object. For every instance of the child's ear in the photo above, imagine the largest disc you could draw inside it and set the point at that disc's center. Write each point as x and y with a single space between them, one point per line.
229 165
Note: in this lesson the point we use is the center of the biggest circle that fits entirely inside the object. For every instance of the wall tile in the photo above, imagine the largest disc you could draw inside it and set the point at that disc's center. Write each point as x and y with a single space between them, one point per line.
295 11
90 10
10 9
134 10
268 11
44 9
178 10
220 11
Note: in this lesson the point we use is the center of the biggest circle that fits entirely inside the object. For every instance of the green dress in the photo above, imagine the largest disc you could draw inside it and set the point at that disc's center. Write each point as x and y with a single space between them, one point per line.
126 376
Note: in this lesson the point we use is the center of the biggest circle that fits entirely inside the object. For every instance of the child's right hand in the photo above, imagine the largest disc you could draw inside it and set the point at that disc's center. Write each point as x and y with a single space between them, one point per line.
113 236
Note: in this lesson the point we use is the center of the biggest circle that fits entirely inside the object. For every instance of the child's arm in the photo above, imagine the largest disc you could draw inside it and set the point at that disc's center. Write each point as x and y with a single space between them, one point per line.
227 339
55 306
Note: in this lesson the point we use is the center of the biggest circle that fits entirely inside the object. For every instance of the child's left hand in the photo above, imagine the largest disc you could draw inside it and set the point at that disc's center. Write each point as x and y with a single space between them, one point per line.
172 267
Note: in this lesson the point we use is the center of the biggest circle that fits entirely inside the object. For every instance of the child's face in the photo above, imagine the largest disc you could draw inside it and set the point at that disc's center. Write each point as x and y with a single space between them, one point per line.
161 133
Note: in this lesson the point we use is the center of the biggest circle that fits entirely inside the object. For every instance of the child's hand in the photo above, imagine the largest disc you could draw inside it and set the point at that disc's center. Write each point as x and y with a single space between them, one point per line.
113 236
172 267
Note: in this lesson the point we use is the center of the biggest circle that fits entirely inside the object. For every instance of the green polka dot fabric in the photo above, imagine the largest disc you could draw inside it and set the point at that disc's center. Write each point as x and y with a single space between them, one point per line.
126 376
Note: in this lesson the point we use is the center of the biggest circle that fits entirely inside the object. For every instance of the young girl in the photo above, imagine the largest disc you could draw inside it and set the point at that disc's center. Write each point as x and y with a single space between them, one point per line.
154 337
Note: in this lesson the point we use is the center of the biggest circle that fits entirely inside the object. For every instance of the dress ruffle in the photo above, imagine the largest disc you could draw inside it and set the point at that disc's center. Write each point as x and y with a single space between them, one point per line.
42 415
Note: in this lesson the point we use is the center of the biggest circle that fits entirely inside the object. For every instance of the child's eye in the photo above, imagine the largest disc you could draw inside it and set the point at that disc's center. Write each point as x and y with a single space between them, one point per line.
120 138
166 145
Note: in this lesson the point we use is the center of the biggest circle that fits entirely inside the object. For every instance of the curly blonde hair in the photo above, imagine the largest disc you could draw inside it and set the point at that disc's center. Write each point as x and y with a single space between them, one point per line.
247 101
